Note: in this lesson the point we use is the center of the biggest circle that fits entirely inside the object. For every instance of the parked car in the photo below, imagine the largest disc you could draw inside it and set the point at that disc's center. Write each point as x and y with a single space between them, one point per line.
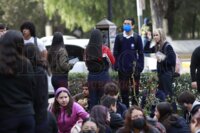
75 48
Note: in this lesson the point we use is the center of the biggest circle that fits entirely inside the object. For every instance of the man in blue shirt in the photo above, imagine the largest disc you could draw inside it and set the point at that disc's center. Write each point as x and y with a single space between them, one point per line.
128 52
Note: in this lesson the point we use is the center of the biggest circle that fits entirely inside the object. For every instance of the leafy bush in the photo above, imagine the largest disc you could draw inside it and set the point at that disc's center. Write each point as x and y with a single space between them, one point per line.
148 86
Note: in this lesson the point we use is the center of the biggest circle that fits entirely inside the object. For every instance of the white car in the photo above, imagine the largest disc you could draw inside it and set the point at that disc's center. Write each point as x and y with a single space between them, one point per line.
75 48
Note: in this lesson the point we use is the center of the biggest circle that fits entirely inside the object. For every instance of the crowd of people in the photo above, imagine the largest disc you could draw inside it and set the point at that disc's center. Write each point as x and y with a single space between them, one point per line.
103 106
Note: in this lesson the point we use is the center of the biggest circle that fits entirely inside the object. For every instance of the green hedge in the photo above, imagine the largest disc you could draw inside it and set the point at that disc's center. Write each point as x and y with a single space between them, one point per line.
148 85
148 82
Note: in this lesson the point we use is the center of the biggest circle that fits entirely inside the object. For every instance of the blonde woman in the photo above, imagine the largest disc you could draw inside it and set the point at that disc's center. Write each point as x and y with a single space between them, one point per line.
166 61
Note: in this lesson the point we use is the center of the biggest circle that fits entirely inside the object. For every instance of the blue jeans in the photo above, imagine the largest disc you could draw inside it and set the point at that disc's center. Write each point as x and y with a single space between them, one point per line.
96 82
20 124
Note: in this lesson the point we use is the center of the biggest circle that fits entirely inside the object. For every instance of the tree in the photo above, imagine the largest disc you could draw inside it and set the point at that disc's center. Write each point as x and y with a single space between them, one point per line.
15 12
86 13
158 11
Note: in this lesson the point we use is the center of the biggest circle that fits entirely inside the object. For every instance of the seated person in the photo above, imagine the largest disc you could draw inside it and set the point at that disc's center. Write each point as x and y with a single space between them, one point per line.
195 122
112 90
82 98
116 120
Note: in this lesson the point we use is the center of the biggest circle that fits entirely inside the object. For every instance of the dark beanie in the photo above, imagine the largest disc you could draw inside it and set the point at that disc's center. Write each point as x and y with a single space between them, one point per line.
94 48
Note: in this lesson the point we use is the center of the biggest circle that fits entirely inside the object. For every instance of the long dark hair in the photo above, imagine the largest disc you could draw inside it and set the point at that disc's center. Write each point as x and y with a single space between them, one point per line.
90 119
11 45
94 47
32 52
166 114
99 113
56 106
56 44
128 121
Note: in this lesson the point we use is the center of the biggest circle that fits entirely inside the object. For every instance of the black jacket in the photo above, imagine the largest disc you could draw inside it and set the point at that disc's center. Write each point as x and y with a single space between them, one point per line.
169 63
178 125
121 109
116 121
195 67
16 92
40 94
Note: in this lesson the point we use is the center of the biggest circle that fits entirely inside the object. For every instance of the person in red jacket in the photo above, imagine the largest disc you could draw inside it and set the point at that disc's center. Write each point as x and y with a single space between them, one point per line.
108 54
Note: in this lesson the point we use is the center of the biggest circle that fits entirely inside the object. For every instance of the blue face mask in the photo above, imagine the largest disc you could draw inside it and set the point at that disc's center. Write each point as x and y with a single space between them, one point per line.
127 28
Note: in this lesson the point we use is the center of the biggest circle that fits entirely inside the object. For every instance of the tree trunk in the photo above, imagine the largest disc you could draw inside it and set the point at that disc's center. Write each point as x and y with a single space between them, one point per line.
158 11
194 18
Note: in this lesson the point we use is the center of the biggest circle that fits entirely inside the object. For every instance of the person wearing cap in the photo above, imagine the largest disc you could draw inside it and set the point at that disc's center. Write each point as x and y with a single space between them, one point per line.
66 111
29 32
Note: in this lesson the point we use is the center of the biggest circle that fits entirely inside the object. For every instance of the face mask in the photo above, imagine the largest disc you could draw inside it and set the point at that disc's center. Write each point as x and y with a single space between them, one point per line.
88 131
127 28
138 123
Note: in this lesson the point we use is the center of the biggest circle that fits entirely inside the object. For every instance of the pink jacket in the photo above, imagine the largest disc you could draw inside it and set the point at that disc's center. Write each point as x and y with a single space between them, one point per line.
65 123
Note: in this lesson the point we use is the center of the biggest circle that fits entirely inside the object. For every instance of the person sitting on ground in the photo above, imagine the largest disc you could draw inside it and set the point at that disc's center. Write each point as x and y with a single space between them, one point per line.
102 116
195 122
116 120
186 100
89 125
172 122
66 111
112 89
83 97
136 122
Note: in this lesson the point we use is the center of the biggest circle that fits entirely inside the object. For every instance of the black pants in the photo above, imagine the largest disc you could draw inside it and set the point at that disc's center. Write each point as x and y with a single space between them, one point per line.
22 124
125 83
165 83
59 80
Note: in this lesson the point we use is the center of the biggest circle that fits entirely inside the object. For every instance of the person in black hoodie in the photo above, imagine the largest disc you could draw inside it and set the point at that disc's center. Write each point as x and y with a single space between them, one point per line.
116 121
31 51
16 86
172 122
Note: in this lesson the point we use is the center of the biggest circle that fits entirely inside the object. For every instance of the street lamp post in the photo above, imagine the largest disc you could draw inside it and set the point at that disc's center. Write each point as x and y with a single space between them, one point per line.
110 10
140 7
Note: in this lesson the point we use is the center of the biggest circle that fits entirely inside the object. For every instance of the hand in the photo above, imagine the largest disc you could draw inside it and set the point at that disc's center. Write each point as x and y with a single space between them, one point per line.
158 58
149 36
194 85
